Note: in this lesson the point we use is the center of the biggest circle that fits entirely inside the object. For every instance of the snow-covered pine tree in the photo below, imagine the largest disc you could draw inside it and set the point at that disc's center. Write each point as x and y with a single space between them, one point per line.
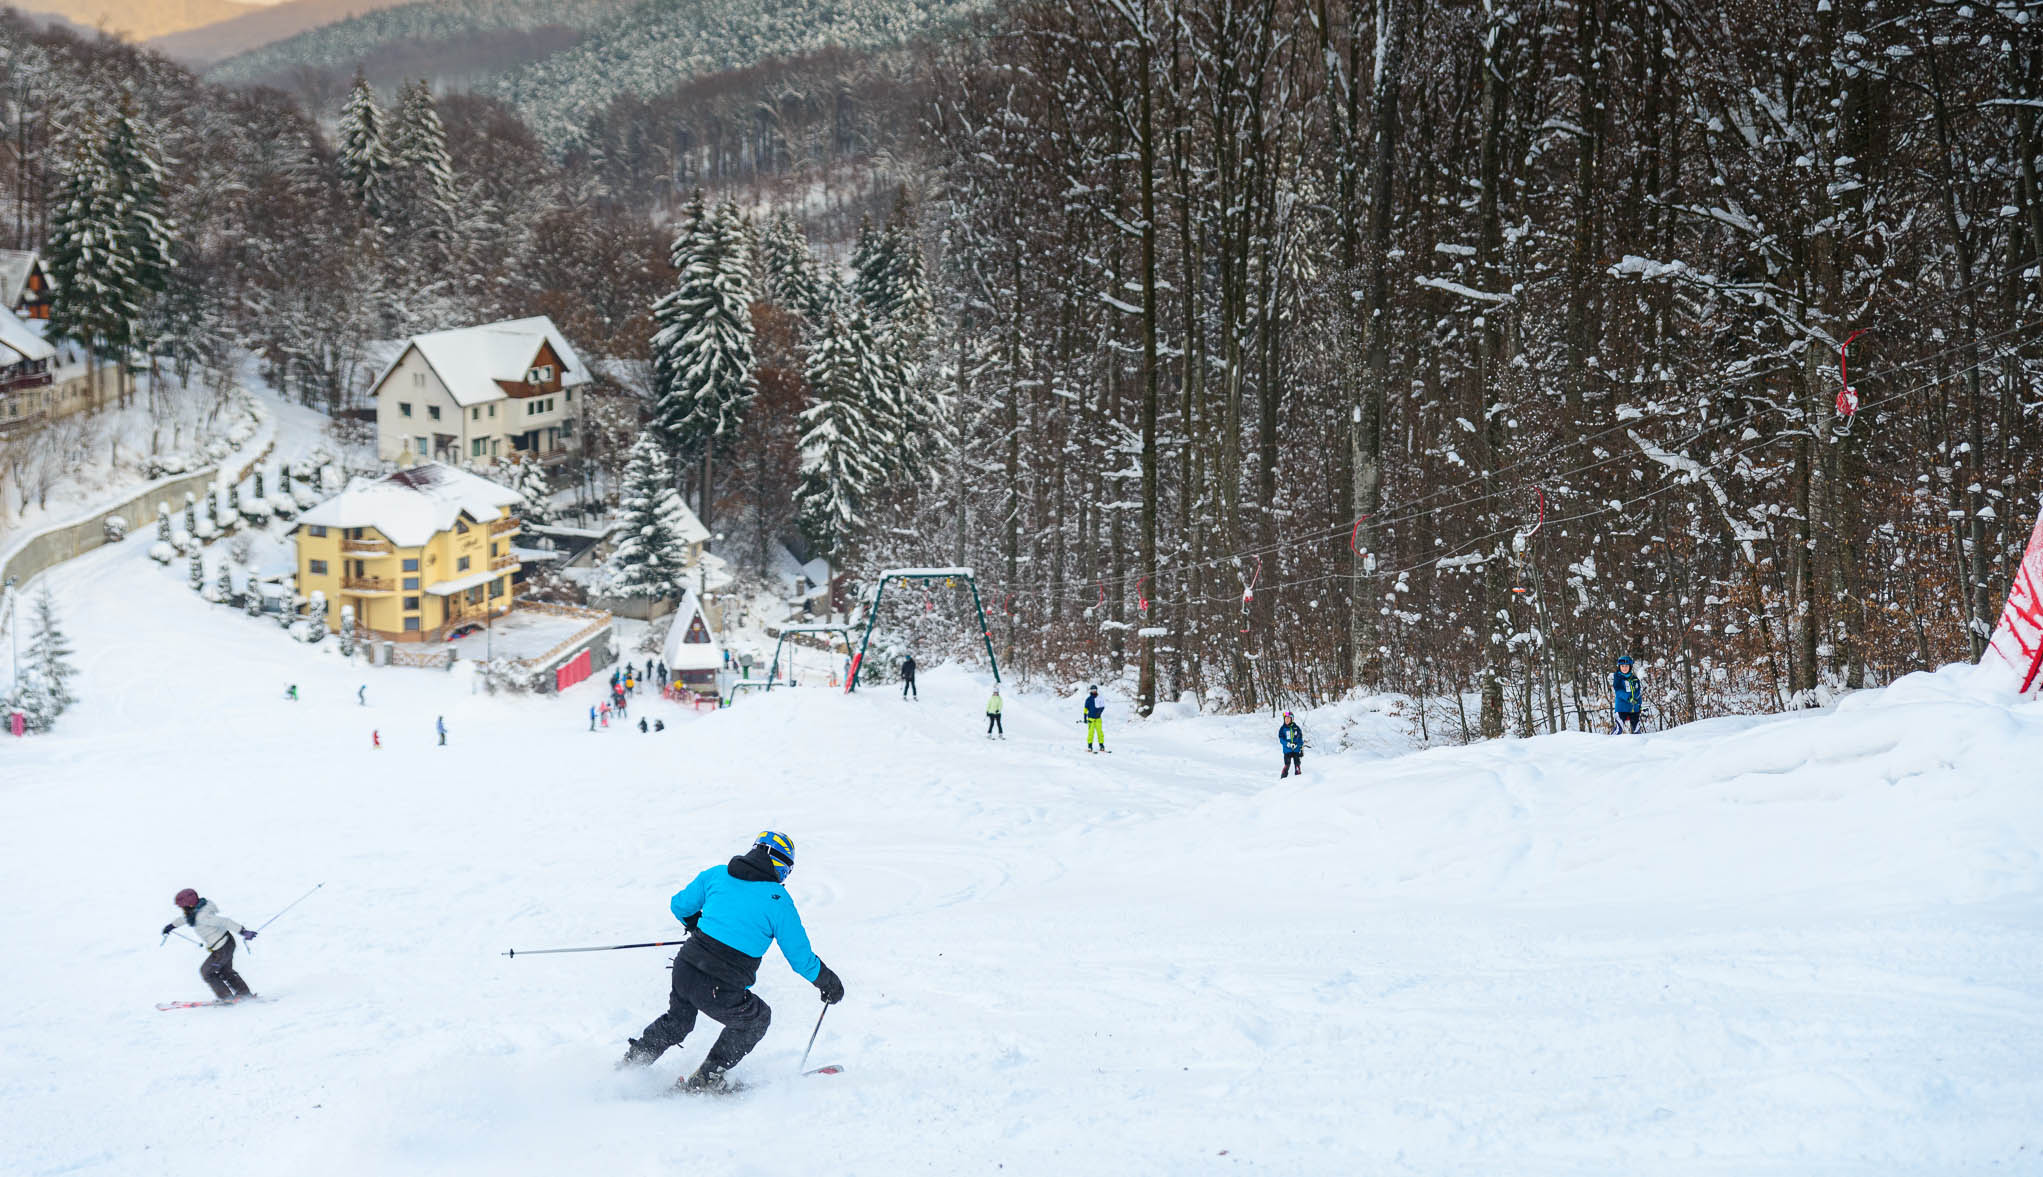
256 486
870 268
702 340
315 617
49 654
419 195
651 556
347 631
364 154
163 522
535 494
843 427
191 513
198 572
251 601
903 280
225 587
111 238
793 280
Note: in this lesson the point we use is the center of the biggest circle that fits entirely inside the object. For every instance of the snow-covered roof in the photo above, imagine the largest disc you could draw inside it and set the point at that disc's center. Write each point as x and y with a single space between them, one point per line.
448 588
470 360
414 504
691 528
15 265
681 654
21 339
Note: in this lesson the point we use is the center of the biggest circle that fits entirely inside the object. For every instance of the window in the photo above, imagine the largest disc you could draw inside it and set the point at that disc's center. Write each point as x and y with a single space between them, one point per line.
475 595
404 408
411 563
496 587
411 625
433 411
492 410
411 584
418 446
493 550
411 603
354 533
316 531
570 395
461 565
475 448
418 379
461 527
318 568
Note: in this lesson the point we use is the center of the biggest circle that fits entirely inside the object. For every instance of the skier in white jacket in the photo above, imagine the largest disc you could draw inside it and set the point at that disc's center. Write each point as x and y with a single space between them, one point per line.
216 936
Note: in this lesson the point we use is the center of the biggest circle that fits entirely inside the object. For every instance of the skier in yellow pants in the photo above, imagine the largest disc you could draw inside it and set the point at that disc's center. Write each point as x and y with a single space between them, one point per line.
1094 729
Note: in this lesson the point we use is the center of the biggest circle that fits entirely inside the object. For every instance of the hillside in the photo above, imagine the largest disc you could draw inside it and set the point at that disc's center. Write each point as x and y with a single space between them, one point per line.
1783 945
139 20
438 39
202 46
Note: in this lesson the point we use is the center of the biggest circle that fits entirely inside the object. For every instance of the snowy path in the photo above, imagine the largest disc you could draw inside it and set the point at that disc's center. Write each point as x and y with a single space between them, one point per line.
1789 945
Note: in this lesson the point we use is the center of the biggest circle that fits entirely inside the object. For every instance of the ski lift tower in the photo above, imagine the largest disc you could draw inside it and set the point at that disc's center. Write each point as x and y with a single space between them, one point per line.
950 577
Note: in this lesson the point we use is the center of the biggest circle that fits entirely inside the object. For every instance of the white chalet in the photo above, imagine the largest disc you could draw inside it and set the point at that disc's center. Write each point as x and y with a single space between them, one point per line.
475 394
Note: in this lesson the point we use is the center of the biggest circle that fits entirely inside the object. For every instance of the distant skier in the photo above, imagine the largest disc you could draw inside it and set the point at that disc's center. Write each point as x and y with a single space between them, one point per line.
592 717
732 913
291 692
440 725
216 935
1291 738
606 715
1095 726
993 723
375 738
908 678
659 725
362 695
1627 697
642 728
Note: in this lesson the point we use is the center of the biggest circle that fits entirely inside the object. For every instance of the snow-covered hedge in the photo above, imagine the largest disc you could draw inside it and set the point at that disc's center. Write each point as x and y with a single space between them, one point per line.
114 528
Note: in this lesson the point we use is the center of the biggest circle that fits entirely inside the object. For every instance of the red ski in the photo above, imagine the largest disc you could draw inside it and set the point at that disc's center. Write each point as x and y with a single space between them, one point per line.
208 1004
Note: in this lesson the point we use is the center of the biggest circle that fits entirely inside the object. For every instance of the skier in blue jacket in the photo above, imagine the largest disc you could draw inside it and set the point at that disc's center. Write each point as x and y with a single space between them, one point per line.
732 913
1095 726
1291 738
1627 697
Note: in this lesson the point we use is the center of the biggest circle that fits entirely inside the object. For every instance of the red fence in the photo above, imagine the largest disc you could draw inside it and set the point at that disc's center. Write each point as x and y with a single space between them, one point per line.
2018 639
574 670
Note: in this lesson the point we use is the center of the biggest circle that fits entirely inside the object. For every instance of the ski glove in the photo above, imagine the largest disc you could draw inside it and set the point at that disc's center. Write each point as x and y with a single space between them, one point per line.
833 989
248 935
690 922
169 928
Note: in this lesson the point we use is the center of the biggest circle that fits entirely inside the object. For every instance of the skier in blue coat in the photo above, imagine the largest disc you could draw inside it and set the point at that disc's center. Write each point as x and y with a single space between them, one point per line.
732 912
1627 697
1291 738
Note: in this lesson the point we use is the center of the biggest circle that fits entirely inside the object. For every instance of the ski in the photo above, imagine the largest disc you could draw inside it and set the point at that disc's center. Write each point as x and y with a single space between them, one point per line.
169 1005
832 1069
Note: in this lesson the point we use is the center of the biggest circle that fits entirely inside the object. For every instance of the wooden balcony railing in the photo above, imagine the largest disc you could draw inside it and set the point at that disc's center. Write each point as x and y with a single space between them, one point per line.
503 562
368 584
503 526
365 547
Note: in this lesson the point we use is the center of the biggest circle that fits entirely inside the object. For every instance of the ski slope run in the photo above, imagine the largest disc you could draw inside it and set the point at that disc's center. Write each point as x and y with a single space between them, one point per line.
1793 944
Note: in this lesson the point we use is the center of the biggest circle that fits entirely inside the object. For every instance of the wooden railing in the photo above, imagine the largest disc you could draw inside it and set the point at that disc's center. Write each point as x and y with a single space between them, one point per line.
503 562
365 547
503 526
368 584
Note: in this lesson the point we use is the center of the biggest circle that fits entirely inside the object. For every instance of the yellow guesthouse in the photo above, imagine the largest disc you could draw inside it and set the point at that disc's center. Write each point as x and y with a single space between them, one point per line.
417 554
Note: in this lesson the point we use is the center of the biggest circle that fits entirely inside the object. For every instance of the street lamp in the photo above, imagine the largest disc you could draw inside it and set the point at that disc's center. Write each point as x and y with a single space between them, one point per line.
13 625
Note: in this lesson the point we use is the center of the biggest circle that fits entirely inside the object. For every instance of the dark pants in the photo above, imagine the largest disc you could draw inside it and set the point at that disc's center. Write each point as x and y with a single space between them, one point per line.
1293 760
908 687
993 723
219 975
743 1015
1627 720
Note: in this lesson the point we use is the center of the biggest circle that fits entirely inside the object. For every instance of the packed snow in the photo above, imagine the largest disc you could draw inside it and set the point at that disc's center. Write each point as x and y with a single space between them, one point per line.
1789 944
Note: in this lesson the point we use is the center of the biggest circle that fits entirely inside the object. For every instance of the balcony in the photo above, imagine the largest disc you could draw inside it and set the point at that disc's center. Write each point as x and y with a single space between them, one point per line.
503 562
365 547
368 584
504 526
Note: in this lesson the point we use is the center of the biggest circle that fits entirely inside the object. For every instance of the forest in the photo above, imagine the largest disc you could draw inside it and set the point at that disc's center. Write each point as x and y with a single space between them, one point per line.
1257 352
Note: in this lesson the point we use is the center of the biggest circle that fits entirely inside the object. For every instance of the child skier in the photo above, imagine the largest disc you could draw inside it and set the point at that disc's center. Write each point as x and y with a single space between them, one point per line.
216 936
993 723
1626 695
1095 729
732 913
1291 738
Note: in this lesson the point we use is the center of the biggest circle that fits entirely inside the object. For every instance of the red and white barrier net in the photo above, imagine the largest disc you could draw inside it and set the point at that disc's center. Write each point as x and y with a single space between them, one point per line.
2018 639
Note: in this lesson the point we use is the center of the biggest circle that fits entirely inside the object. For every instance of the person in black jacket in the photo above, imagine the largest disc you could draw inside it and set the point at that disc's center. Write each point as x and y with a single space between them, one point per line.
908 678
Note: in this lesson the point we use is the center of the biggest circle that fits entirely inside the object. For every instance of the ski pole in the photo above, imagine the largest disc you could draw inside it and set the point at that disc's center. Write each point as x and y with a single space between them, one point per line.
288 906
597 948
179 935
812 1039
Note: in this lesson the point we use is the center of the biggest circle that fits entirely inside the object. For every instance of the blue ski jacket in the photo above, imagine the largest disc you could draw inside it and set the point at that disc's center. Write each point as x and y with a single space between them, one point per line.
747 915
1626 691
1093 707
1292 737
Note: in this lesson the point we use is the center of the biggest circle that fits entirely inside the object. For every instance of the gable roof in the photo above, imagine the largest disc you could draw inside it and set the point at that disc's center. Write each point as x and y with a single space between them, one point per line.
470 360
19 341
682 654
15 265
413 505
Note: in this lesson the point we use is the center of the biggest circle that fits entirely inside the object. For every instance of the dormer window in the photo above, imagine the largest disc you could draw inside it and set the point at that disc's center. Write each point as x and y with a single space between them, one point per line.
542 374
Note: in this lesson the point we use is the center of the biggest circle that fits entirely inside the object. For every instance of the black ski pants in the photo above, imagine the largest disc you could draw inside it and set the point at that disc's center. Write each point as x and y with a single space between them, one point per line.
219 975
993 723
744 1018
1293 761
908 687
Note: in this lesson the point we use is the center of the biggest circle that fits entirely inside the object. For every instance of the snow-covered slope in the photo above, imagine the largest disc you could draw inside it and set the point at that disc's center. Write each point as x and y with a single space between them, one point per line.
1784 945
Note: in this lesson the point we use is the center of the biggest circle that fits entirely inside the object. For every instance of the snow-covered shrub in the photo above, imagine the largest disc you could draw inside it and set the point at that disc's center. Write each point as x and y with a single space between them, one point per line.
347 633
198 573
223 589
315 612
162 552
303 630
191 513
255 486
251 601
114 528
163 522
240 548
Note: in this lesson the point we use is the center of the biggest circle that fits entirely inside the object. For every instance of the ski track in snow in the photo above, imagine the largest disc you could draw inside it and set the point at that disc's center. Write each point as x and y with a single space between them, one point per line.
1797 944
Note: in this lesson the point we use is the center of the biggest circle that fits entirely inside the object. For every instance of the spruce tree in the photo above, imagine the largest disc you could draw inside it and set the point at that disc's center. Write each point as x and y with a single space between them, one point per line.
364 153
651 556
535 494
793 280
226 585
163 522
419 195
842 427
198 572
347 631
702 342
49 654
111 239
